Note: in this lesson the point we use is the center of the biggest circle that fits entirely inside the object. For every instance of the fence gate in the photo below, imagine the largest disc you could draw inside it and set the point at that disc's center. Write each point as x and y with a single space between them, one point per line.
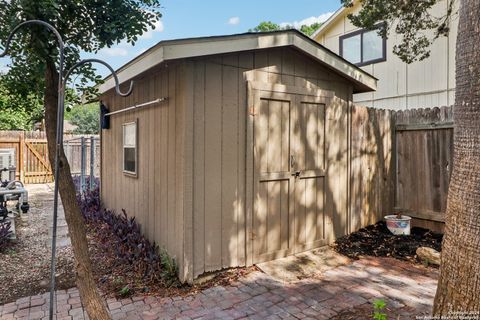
30 155
36 165
424 154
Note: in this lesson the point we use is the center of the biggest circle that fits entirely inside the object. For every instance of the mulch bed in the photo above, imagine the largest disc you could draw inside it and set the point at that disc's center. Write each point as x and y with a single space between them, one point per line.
376 240
113 276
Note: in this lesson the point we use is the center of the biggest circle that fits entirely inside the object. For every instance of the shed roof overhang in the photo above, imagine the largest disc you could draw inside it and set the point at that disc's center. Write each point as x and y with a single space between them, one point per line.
205 46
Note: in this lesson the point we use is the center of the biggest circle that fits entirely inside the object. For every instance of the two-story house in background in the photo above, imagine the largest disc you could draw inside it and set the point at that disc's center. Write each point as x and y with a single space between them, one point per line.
427 83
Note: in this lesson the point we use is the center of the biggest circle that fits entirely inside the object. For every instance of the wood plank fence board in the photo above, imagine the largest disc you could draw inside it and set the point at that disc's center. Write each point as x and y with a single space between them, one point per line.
424 152
31 153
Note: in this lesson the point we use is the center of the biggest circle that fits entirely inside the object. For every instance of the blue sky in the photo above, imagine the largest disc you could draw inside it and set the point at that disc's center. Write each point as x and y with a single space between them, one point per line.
194 18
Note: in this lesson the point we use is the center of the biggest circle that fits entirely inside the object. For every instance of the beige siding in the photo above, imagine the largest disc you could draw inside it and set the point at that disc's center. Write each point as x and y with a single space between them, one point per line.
218 163
427 83
155 197
219 147
193 193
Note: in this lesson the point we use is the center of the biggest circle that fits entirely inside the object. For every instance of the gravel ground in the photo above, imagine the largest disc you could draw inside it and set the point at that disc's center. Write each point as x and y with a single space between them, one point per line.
25 267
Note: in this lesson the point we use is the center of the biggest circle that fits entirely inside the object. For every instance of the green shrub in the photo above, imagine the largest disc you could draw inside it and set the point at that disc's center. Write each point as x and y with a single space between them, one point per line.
169 269
125 291
378 307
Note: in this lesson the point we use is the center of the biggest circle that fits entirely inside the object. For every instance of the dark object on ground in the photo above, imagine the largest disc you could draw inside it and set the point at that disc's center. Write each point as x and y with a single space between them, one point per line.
376 240
5 234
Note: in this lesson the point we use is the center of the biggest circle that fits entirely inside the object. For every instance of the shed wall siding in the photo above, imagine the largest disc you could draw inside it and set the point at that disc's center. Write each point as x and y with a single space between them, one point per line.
155 197
219 163
193 194
219 147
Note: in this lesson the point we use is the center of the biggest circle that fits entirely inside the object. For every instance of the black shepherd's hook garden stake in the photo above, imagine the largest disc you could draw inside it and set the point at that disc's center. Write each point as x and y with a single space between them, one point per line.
59 141
62 81
117 83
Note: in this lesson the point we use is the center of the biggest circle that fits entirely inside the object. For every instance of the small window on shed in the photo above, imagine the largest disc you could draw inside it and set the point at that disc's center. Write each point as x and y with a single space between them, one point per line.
130 148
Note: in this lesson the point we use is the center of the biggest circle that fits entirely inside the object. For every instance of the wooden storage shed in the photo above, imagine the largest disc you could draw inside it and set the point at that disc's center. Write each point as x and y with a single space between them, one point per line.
243 156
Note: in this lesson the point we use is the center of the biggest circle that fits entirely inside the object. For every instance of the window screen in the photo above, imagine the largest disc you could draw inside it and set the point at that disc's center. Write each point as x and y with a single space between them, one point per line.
130 148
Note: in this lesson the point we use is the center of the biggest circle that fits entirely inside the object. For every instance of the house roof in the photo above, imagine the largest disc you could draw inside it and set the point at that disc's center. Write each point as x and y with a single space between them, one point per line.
329 21
333 18
204 46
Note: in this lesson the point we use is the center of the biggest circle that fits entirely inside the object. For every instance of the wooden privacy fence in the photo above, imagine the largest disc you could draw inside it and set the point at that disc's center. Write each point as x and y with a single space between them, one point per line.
372 166
424 151
400 161
31 155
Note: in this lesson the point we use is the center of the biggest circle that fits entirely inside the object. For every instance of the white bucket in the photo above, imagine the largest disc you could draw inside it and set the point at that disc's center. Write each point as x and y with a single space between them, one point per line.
398 226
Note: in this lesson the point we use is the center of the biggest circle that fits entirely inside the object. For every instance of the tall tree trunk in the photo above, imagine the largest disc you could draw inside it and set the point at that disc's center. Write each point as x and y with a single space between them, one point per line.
459 284
89 294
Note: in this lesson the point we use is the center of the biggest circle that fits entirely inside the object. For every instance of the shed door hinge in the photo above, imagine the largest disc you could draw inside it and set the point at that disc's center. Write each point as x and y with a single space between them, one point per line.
252 111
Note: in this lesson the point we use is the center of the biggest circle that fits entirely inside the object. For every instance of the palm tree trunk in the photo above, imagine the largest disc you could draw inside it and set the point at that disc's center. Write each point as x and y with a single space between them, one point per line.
459 284
89 294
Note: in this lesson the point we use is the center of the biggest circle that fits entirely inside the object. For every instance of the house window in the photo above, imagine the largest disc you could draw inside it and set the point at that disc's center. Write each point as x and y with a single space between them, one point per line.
363 47
130 148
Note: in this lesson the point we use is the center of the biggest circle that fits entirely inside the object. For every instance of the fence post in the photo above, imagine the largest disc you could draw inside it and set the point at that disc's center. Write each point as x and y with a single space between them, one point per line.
21 155
92 161
83 165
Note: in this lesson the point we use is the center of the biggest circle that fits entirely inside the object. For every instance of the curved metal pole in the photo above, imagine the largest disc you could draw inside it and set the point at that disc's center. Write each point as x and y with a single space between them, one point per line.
59 142
114 74
59 131
30 22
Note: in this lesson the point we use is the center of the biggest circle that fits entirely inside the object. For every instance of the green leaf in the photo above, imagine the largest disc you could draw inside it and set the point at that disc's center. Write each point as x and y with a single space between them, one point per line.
85 25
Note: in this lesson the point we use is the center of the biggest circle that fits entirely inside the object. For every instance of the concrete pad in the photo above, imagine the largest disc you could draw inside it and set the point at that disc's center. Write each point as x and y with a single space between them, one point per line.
41 201
303 265
62 242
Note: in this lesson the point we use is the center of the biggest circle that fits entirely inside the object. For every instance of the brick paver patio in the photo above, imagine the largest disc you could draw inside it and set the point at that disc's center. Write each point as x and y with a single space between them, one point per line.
408 291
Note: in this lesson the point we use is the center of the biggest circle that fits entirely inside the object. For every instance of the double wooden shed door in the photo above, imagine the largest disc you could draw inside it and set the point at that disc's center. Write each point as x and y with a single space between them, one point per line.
289 192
